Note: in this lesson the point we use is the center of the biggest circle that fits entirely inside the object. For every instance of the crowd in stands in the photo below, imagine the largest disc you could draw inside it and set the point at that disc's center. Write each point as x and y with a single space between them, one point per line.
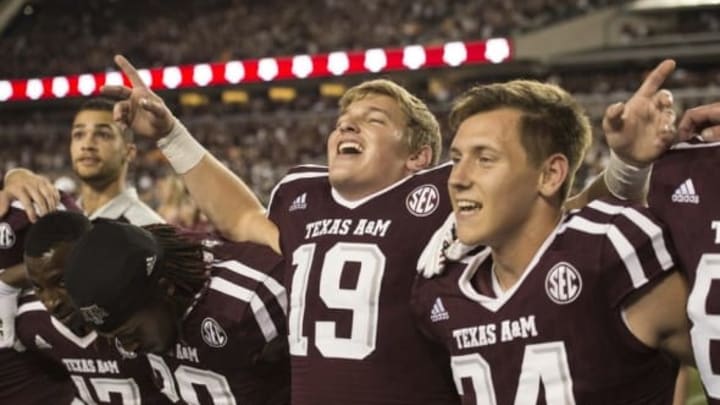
68 36
263 139
685 21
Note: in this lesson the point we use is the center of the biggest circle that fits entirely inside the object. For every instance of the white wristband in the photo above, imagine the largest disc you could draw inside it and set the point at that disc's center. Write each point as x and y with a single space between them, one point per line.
181 149
625 181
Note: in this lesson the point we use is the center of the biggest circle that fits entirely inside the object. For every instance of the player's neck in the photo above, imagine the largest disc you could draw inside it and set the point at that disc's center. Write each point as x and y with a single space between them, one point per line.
94 197
512 257
356 191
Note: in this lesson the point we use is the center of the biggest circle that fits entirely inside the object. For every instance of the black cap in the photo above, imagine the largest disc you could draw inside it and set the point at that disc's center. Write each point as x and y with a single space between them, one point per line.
111 272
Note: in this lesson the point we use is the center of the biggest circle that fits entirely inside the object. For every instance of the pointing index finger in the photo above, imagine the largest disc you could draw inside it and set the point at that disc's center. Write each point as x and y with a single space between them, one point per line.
656 78
130 71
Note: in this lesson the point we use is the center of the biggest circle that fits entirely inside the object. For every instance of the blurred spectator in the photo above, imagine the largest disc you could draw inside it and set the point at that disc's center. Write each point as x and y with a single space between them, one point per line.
260 143
191 31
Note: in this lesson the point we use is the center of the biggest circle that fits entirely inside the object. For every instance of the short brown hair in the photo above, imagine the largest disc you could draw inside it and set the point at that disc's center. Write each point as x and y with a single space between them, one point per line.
551 122
422 126
105 104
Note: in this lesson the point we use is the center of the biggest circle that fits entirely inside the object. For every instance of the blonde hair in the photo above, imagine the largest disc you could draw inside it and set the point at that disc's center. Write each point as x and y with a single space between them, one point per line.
422 126
552 121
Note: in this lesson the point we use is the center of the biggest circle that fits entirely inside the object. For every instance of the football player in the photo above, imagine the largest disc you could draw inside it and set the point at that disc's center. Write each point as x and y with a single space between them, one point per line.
571 308
48 323
208 314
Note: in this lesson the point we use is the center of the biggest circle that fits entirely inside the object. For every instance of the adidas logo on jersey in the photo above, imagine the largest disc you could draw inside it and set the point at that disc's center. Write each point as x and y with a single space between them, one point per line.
438 311
300 203
686 193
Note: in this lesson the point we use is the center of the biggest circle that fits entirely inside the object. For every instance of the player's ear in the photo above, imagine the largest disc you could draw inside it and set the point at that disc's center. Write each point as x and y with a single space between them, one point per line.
419 160
554 172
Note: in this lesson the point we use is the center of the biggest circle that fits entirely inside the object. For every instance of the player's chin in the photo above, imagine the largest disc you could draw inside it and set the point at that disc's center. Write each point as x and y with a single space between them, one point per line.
340 174
470 234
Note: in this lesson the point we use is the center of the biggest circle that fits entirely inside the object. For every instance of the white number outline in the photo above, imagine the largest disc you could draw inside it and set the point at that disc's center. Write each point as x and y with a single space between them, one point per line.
184 378
706 327
363 301
126 387
544 363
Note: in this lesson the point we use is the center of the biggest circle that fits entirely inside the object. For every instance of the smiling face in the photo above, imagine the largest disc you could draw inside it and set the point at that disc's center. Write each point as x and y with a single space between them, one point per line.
98 151
493 185
46 275
367 151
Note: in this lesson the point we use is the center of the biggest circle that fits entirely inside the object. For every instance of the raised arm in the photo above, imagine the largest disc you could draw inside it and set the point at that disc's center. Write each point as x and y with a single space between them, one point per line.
227 201
637 131
658 318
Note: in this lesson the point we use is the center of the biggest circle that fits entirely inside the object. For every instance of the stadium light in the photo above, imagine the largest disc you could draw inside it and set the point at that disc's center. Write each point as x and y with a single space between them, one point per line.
302 66
6 90
60 86
234 72
86 84
283 94
268 69
271 70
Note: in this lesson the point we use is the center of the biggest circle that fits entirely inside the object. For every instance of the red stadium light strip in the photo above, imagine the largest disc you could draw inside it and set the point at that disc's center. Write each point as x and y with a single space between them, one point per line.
414 57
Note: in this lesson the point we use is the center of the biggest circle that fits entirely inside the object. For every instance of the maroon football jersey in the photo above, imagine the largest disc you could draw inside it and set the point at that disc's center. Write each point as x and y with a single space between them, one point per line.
350 271
28 378
684 193
101 371
557 336
232 347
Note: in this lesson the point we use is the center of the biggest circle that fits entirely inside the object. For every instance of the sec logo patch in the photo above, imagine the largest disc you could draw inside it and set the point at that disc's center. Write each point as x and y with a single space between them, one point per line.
563 283
423 201
212 333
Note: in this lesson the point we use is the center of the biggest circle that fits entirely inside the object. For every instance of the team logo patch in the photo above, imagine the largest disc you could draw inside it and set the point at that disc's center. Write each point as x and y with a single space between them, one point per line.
7 236
423 201
212 333
94 314
563 283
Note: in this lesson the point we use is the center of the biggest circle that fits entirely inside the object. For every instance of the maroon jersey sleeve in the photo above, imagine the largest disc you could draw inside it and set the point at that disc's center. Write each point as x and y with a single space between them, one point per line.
350 266
637 248
233 343
29 377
